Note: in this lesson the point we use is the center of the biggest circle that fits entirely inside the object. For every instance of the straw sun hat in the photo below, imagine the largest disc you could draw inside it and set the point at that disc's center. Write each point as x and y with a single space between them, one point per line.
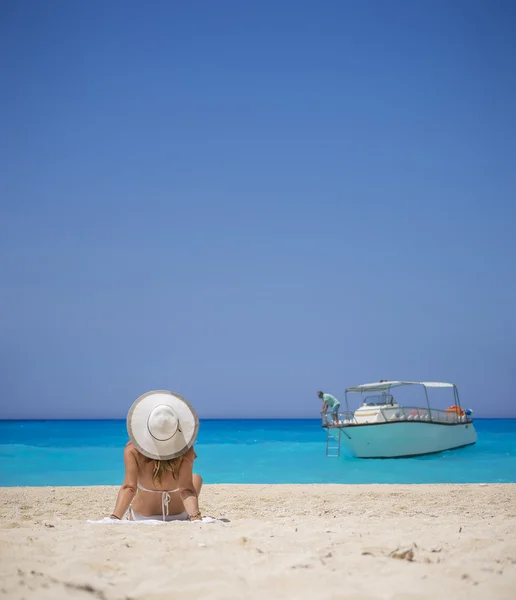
162 425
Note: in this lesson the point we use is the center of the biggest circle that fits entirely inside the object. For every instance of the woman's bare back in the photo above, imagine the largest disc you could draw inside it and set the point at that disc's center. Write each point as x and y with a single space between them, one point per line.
150 503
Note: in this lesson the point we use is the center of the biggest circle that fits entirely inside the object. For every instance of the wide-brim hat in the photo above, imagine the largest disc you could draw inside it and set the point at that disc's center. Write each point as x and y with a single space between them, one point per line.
162 425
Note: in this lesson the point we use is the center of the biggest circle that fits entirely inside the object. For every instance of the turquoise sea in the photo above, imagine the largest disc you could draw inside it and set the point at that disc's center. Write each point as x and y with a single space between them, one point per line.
243 451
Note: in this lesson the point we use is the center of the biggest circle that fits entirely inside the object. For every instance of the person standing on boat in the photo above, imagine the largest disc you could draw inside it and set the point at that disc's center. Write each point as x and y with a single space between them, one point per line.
330 405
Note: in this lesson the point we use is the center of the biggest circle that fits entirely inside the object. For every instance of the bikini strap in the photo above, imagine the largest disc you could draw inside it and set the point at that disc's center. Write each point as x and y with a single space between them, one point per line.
165 497
143 489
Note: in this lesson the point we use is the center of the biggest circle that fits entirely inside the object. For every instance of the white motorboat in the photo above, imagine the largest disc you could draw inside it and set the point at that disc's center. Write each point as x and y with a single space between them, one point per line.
381 428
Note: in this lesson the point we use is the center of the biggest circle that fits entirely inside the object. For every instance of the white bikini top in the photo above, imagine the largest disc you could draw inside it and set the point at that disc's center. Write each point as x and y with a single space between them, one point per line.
165 497
165 494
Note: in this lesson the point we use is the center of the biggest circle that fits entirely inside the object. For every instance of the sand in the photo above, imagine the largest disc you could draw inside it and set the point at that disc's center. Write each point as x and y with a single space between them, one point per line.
282 541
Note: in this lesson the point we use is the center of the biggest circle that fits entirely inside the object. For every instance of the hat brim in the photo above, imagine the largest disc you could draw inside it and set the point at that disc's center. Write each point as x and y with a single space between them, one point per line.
140 435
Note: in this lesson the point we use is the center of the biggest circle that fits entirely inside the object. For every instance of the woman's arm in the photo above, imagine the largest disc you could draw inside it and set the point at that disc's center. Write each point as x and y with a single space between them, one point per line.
128 489
186 486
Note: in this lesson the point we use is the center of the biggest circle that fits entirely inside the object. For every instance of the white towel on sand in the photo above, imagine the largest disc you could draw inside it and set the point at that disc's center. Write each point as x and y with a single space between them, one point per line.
107 520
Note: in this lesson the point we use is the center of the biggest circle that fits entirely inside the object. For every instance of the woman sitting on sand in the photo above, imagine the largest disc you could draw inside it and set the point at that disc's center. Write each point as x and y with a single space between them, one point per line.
159 482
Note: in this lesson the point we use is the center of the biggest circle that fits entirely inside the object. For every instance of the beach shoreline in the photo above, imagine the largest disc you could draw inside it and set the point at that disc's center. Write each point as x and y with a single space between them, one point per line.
323 541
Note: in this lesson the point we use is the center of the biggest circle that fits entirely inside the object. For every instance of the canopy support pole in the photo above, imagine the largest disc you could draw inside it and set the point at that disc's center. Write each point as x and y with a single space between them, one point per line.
456 394
428 403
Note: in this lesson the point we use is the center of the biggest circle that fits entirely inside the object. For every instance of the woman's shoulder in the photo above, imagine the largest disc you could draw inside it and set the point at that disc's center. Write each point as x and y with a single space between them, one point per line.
190 455
131 450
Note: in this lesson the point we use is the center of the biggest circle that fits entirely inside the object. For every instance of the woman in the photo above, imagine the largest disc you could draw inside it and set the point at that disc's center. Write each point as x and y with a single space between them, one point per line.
159 482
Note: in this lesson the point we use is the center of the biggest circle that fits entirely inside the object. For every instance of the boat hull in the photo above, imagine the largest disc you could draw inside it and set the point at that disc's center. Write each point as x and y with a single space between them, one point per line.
412 438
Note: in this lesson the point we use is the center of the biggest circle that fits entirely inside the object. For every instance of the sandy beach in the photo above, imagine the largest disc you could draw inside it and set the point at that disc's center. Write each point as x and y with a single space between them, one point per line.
281 541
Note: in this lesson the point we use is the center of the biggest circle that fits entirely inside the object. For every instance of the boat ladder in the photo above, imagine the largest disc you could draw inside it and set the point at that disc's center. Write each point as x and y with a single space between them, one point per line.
333 441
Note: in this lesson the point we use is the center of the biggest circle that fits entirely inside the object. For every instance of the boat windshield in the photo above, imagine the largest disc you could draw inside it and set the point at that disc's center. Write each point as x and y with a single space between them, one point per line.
379 399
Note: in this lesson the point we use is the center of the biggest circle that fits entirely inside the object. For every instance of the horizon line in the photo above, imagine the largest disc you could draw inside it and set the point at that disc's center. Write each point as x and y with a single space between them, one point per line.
13 419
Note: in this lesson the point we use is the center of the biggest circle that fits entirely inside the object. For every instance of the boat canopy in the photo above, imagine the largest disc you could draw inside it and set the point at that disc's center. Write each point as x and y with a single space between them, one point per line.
387 385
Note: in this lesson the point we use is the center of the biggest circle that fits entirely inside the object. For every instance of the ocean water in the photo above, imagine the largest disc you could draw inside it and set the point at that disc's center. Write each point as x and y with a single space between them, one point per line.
55 453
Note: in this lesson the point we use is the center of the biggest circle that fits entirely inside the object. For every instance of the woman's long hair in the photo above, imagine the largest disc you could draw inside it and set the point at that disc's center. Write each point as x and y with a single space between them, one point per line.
161 467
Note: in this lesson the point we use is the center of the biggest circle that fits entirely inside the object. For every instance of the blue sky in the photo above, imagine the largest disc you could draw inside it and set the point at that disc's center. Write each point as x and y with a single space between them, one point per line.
246 202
